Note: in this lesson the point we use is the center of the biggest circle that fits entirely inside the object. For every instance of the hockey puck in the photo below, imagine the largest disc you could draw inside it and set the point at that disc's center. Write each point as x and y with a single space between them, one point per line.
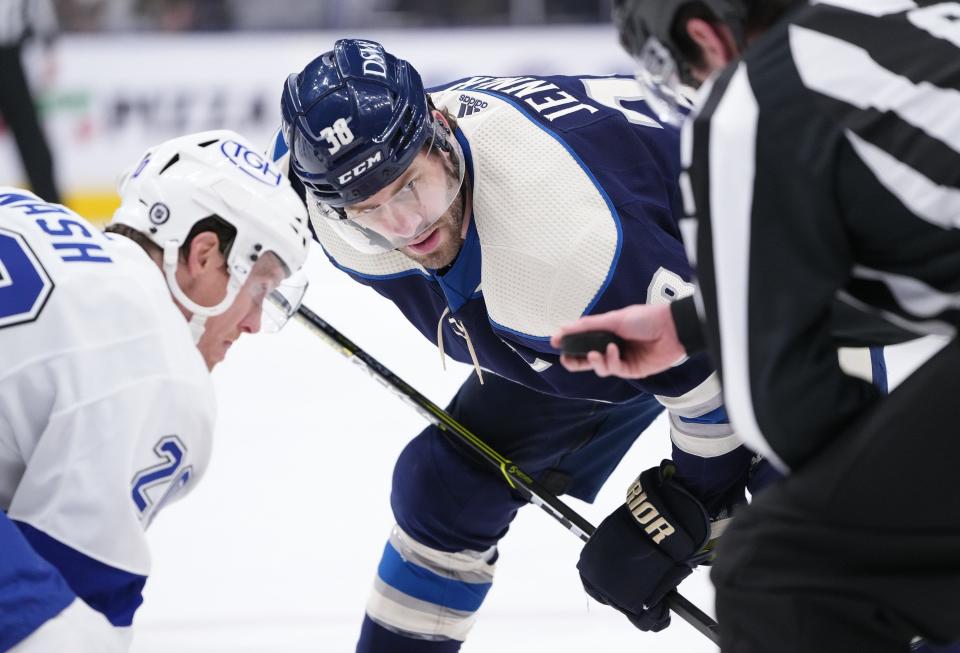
578 345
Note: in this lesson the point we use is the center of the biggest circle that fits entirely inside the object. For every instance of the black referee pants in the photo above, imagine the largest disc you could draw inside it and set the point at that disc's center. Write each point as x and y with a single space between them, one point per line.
859 550
19 112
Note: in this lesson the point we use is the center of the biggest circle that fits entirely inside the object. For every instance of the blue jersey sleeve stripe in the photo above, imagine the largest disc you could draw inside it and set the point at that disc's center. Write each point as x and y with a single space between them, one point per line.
425 585
593 179
716 416
113 592
32 591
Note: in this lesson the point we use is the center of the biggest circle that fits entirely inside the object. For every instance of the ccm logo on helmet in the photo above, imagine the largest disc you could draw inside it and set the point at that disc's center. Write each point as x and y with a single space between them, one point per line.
373 60
649 517
361 168
251 163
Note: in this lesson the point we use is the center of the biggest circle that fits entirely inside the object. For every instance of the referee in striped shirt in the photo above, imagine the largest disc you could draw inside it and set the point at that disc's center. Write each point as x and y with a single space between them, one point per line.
20 20
821 169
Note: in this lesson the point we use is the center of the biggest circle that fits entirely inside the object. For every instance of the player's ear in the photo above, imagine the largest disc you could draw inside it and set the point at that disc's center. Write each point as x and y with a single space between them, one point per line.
204 253
442 119
714 40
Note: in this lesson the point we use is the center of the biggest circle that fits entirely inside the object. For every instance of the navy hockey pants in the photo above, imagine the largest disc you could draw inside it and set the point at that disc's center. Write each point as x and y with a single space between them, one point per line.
452 507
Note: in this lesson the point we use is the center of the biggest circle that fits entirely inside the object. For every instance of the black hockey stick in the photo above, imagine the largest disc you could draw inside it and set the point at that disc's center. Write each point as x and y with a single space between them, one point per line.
515 477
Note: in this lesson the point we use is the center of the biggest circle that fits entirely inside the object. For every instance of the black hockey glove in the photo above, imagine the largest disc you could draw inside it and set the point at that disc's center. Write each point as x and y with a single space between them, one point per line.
642 551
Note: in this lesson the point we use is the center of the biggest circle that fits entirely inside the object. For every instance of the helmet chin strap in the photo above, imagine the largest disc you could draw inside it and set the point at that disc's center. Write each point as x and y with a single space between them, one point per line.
198 321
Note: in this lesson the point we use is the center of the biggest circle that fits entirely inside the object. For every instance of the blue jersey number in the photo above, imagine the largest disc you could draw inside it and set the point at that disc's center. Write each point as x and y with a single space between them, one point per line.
613 91
170 472
24 285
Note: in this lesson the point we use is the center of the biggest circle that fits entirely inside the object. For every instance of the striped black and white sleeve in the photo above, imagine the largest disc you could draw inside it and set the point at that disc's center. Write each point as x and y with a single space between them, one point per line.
42 20
825 165
20 19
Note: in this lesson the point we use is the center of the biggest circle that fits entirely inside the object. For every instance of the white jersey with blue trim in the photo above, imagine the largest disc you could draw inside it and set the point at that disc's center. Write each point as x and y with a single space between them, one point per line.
106 406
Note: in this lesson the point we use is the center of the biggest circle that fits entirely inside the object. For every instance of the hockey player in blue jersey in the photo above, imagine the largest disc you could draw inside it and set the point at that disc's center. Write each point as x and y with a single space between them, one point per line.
490 211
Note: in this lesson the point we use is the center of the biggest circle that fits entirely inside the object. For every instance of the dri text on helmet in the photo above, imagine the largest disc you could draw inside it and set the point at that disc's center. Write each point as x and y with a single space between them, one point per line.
373 59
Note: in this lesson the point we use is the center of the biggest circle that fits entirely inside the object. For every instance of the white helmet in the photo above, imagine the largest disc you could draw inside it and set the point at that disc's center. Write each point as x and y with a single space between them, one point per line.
218 173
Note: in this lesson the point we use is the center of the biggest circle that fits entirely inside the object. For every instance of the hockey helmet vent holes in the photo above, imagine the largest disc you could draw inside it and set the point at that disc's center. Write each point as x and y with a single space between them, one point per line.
320 188
173 159
208 143
405 132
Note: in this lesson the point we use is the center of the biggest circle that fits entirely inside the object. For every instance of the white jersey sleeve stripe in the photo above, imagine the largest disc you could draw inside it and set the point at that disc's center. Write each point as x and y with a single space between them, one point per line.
703 446
870 7
733 138
702 399
936 204
912 294
824 63
941 20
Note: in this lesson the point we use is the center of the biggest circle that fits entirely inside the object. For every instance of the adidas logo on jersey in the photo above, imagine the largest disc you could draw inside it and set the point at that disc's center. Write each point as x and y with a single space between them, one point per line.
470 105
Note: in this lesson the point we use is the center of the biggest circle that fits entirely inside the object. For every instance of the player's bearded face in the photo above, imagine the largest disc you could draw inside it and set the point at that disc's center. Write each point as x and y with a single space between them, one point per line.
440 246
421 213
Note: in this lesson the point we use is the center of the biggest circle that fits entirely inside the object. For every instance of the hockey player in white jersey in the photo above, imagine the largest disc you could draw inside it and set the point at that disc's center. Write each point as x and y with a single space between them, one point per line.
106 403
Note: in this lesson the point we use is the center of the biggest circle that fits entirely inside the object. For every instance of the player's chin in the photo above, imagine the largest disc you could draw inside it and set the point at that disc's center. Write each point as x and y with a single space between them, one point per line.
442 254
214 356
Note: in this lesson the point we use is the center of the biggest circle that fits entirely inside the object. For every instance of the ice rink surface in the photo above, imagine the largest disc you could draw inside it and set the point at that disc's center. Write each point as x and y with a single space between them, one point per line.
276 548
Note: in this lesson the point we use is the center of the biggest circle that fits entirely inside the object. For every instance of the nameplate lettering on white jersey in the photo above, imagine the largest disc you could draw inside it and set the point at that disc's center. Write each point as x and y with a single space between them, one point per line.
545 98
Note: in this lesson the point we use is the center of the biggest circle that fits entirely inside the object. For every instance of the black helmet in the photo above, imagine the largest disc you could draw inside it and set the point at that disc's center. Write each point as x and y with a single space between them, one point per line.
639 21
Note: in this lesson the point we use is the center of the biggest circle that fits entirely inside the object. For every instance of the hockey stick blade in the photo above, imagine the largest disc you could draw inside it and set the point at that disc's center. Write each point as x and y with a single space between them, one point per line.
514 476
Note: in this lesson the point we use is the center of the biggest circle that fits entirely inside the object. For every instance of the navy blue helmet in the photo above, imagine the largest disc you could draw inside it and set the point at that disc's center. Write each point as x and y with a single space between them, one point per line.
354 118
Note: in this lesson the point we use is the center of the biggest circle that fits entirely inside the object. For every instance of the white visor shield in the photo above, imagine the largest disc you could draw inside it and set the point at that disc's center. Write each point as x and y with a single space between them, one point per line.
660 78
278 295
406 209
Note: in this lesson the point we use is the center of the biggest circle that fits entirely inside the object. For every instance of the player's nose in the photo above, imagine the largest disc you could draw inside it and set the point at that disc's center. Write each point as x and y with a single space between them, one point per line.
252 321
399 222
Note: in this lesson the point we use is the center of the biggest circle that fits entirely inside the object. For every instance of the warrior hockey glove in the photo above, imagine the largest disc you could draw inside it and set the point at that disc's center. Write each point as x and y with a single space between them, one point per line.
642 551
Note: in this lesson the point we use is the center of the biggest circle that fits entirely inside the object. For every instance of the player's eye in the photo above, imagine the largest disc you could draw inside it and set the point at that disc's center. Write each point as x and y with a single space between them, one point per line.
367 210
